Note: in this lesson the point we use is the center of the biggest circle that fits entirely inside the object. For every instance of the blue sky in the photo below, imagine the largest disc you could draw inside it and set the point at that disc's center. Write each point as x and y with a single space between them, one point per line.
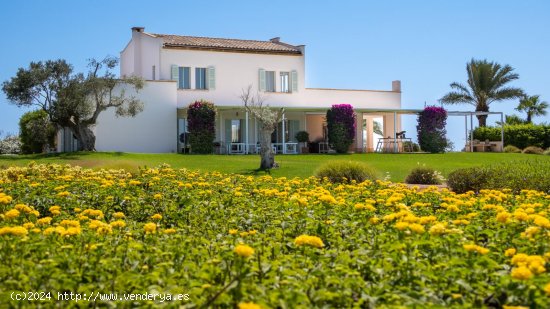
349 44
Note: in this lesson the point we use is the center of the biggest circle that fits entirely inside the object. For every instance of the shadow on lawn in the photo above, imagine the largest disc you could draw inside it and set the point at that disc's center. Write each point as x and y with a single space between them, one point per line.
70 156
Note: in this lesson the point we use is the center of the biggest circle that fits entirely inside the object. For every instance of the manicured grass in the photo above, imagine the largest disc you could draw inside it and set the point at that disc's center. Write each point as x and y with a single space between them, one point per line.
397 165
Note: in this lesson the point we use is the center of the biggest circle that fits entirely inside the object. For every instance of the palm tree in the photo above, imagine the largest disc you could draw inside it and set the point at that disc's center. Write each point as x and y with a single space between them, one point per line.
532 106
486 84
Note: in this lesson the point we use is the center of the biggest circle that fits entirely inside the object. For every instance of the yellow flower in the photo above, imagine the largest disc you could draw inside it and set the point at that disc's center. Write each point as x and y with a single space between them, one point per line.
157 196
24 208
69 223
327 198
64 193
514 307
476 248
438 229
417 228
118 224
5 199
156 217
28 225
252 232
312 241
13 230
244 250
510 252
150 228
249 306
401 225
55 210
503 217
119 215
521 273
374 220
12 213
547 289
233 231
169 231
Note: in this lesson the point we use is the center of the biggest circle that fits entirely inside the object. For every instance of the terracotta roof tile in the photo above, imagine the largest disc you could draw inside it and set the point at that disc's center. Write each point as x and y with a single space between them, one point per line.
170 40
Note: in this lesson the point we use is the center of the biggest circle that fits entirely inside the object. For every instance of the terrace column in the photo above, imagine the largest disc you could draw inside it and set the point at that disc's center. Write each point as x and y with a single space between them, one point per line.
246 132
359 132
283 125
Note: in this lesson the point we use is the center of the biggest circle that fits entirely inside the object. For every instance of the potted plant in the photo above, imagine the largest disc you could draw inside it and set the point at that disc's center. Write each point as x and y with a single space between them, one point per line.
303 138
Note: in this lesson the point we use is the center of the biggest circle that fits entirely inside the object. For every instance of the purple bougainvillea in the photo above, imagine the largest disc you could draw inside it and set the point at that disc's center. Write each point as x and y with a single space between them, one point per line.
341 127
431 129
201 121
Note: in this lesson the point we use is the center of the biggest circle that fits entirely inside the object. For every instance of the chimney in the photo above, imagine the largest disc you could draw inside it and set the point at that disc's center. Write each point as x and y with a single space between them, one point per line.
275 40
302 49
137 32
396 86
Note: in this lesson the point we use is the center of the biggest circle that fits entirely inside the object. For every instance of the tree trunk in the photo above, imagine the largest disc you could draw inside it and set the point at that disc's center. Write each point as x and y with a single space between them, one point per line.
528 117
85 137
482 119
266 151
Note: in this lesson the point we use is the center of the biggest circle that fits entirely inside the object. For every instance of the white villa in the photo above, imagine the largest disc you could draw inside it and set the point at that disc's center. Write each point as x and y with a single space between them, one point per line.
182 69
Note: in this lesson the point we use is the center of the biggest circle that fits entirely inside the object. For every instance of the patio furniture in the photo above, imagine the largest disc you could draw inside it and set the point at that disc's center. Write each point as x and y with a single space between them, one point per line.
236 148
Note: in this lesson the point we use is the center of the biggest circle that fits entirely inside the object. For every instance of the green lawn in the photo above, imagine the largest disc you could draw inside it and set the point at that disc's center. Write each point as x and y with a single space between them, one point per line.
397 165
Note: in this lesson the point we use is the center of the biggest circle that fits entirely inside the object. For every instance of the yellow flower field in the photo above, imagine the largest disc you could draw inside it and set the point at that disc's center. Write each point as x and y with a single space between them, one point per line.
261 242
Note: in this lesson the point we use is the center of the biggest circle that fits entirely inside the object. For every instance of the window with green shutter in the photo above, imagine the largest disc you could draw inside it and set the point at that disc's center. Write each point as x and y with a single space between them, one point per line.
211 78
294 81
200 78
184 78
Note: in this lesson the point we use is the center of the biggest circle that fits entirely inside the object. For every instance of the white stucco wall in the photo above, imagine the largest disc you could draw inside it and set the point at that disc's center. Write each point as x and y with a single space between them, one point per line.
152 131
127 60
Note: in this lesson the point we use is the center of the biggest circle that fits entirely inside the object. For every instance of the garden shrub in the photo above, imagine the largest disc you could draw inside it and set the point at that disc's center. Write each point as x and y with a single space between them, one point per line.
520 135
10 144
36 132
431 129
341 127
533 150
201 117
345 172
469 179
517 176
425 176
511 149
547 151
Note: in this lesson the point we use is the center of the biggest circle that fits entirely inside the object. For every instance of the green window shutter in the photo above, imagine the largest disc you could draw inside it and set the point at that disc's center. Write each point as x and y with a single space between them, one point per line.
175 73
262 80
294 81
211 78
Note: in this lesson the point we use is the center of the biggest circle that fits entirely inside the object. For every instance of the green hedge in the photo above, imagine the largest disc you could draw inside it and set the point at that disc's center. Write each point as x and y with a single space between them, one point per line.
521 135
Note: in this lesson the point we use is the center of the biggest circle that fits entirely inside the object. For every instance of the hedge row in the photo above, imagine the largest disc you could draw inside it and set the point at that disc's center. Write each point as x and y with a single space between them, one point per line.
521 135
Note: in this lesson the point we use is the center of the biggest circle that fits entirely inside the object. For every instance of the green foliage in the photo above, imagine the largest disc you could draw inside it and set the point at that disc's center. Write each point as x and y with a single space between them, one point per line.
533 150
532 106
511 149
74 100
431 129
469 179
341 127
521 136
36 132
517 176
169 231
411 145
345 172
9 144
302 136
338 137
425 176
201 116
487 83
